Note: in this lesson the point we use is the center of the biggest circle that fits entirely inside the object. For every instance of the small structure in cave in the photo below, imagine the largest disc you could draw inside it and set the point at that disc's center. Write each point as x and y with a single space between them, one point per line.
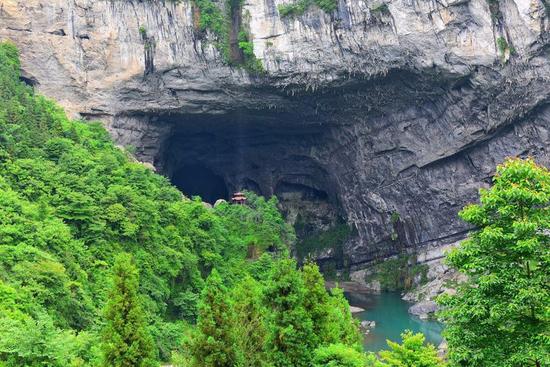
238 198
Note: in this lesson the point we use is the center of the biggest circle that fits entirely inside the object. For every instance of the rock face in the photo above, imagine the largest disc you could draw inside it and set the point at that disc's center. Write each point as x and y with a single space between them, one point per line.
424 309
439 279
389 119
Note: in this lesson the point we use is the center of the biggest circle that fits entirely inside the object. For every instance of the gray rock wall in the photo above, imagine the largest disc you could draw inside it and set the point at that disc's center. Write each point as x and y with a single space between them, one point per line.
392 121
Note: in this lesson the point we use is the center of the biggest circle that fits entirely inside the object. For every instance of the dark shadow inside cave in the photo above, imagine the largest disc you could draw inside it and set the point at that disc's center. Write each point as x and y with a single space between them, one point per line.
303 191
198 180
215 156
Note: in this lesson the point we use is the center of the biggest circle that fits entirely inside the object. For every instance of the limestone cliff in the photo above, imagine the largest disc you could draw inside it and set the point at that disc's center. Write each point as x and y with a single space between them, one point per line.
389 115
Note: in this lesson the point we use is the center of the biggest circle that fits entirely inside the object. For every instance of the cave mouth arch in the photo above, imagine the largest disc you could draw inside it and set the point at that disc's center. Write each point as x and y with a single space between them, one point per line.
198 180
215 156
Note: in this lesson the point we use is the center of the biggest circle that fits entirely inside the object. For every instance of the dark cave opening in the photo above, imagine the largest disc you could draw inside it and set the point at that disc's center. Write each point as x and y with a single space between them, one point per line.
198 180
296 160
215 156
303 191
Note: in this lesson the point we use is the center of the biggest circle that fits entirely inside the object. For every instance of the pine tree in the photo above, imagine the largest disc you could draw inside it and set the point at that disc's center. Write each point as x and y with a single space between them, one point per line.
215 342
290 330
126 341
316 303
330 313
251 330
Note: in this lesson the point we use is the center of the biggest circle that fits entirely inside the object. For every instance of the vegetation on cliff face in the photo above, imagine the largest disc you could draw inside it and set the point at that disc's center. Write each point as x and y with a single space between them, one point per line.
299 7
399 274
230 28
332 238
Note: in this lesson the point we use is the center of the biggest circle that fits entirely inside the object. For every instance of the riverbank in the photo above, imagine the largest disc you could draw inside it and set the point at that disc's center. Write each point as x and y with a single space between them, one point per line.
387 316
349 286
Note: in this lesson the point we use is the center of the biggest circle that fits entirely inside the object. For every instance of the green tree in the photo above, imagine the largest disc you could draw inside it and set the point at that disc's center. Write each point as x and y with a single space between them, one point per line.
346 330
329 313
126 341
33 343
411 353
338 355
250 316
500 315
290 329
316 303
215 343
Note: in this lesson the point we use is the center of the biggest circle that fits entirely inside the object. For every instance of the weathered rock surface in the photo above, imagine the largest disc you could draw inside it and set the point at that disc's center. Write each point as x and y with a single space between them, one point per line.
389 120
354 309
440 279
366 326
424 309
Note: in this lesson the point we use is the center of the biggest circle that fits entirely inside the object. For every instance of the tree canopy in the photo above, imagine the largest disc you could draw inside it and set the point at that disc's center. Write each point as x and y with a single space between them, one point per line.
500 315
126 339
103 261
71 201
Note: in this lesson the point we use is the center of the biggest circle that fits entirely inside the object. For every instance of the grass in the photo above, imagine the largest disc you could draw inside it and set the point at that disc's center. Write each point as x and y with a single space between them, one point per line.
381 9
143 32
503 46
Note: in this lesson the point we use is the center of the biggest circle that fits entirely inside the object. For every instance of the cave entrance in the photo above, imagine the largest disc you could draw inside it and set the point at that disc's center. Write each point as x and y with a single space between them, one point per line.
216 156
198 180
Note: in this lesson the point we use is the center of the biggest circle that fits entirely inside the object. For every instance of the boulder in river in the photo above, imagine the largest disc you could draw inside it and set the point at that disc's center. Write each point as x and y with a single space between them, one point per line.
424 309
367 326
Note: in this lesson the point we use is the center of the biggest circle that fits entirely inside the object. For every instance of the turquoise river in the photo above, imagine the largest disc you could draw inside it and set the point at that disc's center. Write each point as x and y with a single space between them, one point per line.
391 315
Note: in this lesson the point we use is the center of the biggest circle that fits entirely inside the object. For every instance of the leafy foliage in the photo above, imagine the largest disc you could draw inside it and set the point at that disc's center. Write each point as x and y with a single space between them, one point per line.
500 317
126 340
299 7
412 353
70 202
338 355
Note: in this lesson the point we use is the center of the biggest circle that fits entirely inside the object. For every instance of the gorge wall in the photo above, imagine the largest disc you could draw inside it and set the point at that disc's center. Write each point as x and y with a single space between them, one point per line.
390 118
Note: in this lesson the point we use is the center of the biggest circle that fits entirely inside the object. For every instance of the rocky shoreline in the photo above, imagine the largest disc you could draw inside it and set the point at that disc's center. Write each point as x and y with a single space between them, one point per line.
439 279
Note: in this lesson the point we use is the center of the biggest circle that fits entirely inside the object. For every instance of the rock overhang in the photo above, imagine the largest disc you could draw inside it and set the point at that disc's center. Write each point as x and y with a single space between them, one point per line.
410 114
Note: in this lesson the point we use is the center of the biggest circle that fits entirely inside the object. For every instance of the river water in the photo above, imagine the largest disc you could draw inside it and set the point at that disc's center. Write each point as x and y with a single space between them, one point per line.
390 313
